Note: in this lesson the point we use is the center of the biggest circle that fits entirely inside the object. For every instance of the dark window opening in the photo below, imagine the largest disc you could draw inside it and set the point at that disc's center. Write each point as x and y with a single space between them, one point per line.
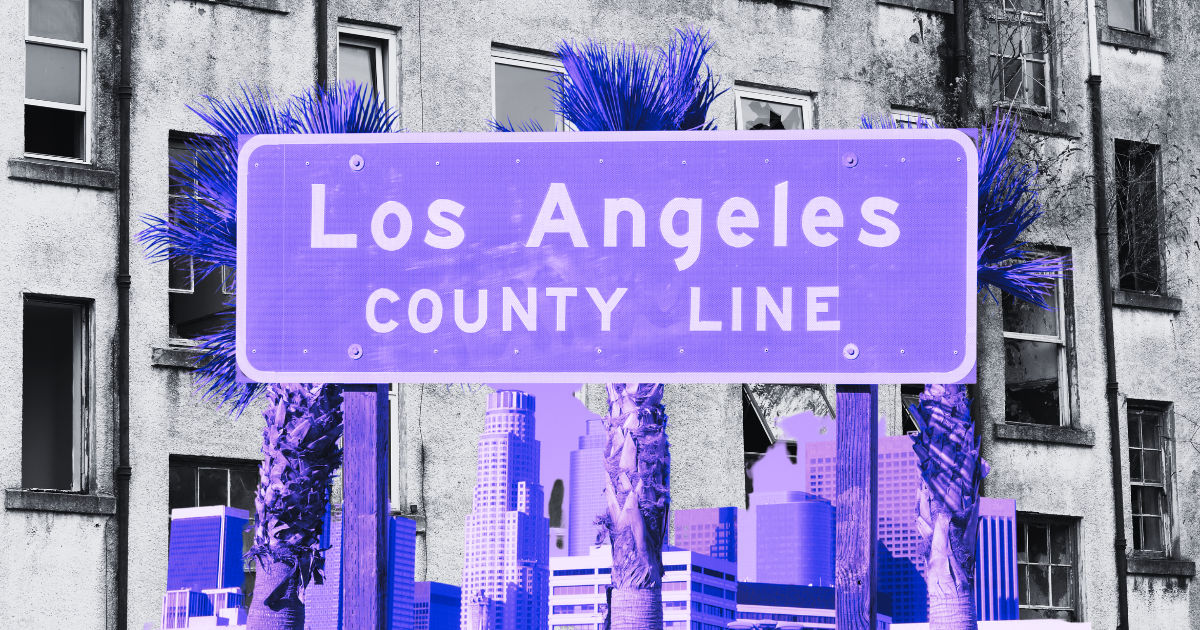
198 305
1035 357
196 482
1046 573
57 132
52 431
1139 252
910 395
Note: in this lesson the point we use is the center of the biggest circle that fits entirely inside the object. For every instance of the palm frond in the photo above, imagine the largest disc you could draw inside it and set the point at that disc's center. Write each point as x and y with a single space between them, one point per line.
529 126
202 220
1008 205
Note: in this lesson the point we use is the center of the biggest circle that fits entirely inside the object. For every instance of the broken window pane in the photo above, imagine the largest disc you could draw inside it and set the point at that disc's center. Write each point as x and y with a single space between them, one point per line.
1147 493
52 396
1022 317
1047 572
1139 253
758 115
1031 382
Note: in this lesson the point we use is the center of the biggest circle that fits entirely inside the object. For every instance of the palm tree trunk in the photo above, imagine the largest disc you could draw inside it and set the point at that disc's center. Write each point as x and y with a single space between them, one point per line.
638 492
284 611
948 504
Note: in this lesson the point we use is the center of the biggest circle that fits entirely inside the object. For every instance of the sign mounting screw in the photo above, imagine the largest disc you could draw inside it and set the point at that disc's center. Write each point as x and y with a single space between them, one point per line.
901 351
850 351
601 160
306 351
681 351
597 350
685 162
850 160
515 351
518 160
901 159
357 162
355 351
435 351
956 352
766 349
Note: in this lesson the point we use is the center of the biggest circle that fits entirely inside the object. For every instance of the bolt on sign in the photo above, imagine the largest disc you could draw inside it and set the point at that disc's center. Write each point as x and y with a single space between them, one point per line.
841 256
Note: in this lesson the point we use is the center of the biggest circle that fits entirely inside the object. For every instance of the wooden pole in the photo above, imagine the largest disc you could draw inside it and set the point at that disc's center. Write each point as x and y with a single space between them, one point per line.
857 481
365 510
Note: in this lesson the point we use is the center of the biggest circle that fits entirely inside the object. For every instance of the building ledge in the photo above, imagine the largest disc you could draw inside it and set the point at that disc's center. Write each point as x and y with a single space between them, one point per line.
1050 127
50 501
1161 566
1045 433
1146 300
65 173
822 4
269 6
1133 41
935 6
175 357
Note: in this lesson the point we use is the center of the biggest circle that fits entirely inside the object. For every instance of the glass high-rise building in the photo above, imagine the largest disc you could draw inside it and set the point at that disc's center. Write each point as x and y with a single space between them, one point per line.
585 499
710 531
794 534
505 584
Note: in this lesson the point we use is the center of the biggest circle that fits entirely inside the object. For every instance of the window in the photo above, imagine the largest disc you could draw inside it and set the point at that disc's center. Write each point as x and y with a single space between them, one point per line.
1035 361
766 109
1130 15
365 56
58 38
53 388
1046 562
1139 254
195 303
1147 479
1020 53
910 395
196 482
522 93
912 119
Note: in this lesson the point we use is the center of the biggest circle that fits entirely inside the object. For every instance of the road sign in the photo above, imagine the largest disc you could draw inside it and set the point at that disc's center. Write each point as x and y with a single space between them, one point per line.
841 256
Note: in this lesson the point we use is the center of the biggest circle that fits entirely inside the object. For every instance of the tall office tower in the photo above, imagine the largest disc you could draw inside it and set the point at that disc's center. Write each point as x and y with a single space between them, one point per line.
710 531
323 602
436 606
206 548
794 534
586 491
996 561
506 561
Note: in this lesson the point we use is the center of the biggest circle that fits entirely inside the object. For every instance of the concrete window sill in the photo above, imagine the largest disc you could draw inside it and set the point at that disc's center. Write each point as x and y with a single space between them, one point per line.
823 4
269 6
1045 433
65 173
1050 127
1161 566
1133 41
1145 300
41 501
934 6
175 357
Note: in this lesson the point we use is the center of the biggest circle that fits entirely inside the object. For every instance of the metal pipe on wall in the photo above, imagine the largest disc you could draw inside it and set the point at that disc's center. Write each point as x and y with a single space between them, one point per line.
323 43
123 470
1100 199
960 54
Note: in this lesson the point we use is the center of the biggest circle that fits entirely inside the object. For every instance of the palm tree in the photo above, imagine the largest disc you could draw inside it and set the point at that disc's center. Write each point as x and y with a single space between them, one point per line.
947 445
303 422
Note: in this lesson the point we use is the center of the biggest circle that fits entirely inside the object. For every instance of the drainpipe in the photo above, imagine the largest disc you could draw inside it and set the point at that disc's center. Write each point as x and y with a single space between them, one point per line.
1110 352
124 471
960 54
323 43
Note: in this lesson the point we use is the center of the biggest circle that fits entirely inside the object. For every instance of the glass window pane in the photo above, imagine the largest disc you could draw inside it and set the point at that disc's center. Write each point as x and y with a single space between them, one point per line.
523 95
1011 77
1137 532
1135 464
182 492
1022 317
56 19
242 484
1022 550
1120 14
1037 79
758 115
1150 424
1152 500
1038 552
1135 499
1135 430
1031 388
1039 585
1060 587
1060 545
357 63
1023 584
1152 466
1152 530
214 486
52 74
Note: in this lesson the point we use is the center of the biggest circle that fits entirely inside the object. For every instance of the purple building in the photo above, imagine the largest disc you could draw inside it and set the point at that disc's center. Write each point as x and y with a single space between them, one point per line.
996 561
506 561
794 533
205 551
710 531
585 498
436 606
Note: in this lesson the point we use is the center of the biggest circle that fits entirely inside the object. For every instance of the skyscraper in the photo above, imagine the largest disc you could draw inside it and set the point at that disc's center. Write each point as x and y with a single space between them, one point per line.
506 561
794 534
586 490
710 531
436 606
206 548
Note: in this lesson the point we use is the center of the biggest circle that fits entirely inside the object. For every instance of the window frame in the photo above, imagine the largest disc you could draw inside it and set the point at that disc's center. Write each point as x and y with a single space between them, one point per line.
1064 353
83 461
1024 519
85 80
1167 442
1120 190
803 101
1143 14
547 63
1024 20
386 44
906 112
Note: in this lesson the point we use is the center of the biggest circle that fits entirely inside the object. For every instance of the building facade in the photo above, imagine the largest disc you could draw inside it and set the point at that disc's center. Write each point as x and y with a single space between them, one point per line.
586 493
436 606
104 436
795 534
505 568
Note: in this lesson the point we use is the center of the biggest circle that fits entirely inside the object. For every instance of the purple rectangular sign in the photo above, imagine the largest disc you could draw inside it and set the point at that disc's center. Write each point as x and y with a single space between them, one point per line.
842 256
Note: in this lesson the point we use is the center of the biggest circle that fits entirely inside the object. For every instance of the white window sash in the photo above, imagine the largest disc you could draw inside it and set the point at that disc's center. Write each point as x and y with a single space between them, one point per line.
85 80
386 45
1064 402
805 103
525 60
